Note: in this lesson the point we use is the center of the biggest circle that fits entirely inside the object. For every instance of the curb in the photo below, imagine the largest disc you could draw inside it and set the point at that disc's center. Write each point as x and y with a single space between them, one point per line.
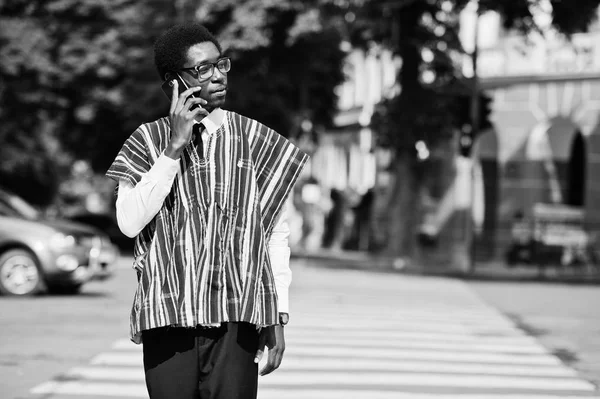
490 271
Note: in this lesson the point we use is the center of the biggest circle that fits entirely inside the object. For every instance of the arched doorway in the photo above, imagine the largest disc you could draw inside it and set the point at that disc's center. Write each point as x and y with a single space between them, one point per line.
576 172
592 185
555 167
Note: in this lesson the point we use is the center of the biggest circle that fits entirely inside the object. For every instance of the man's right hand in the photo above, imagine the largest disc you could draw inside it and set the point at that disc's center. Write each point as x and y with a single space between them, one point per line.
183 118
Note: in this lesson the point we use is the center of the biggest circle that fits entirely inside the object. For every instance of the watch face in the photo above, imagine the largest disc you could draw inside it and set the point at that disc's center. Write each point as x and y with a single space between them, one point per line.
284 318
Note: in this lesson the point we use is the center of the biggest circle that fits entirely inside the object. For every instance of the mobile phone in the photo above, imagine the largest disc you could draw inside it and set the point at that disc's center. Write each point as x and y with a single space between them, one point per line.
167 87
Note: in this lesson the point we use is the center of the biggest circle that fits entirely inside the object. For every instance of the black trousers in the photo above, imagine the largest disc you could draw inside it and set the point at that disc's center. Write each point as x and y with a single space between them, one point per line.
201 363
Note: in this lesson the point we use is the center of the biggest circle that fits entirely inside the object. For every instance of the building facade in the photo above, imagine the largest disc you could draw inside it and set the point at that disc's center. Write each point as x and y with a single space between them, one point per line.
544 146
344 166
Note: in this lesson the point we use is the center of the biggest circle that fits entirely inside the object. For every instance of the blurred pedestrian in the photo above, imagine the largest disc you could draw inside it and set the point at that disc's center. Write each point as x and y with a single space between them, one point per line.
203 191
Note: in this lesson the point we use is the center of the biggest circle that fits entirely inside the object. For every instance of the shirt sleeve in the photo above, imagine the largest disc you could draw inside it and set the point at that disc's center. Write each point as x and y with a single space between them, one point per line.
279 252
132 160
138 204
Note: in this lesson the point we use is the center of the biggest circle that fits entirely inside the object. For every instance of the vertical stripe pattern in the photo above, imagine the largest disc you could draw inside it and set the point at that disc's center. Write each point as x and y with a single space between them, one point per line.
203 259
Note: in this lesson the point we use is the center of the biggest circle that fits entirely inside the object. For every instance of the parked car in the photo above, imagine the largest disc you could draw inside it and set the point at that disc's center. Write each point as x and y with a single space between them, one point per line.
107 224
38 253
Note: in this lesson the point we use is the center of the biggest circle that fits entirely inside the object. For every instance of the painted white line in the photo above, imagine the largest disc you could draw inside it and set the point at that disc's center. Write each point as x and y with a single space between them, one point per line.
304 364
369 334
426 328
441 316
45 387
272 393
395 344
373 334
316 354
472 345
318 334
126 344
408 324
419 308
107 373
416 311
399 380
119 359
451 356
379 379
81 388
296 363
380 293
384 324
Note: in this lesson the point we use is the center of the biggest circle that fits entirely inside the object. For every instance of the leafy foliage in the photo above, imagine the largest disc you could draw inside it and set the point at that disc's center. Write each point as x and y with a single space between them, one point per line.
287 61
77 76
62 64
425 34
567 16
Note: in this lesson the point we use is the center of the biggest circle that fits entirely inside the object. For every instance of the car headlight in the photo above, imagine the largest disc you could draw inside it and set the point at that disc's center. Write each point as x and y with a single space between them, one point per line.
61 241
67 263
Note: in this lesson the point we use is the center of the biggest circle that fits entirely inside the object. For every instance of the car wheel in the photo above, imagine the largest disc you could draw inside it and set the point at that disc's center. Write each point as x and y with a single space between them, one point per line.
19 273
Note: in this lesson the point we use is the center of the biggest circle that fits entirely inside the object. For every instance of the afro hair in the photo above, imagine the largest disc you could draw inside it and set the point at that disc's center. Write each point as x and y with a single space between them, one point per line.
171 47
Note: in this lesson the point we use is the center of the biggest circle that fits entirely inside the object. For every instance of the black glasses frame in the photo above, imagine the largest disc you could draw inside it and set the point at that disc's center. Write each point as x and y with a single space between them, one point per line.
196 73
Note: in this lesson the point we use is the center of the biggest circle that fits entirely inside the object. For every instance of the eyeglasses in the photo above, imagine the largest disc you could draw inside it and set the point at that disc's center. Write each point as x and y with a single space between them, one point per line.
206 70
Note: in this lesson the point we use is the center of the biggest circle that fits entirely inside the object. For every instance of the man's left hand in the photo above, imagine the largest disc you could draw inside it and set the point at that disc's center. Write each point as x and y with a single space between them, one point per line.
272 337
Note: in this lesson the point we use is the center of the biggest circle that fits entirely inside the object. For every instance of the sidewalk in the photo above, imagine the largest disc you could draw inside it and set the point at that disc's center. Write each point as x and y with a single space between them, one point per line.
495 271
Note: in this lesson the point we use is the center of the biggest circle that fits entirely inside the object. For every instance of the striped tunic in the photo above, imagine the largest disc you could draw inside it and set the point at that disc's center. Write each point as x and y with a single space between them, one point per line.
203 259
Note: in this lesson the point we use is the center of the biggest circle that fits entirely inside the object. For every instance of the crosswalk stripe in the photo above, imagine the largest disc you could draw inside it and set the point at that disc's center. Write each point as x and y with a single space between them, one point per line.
294 363
351 342
381 394
380 379
456 356
307 364
371 333
117 359
444 336
425 316
333 323
379 353
393 344
417 312
328 352
399 380
107 373
123 390
328 322
86 388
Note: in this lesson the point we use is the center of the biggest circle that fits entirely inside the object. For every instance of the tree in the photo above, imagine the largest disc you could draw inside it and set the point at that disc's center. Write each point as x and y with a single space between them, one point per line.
424 33
62 68
77 76
286 60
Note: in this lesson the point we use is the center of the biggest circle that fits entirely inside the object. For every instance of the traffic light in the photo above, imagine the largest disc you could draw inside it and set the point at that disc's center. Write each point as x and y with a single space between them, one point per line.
468 134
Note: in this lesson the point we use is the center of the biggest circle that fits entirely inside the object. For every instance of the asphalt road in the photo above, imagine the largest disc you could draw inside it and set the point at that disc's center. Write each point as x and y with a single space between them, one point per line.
565 318
46 338
45 335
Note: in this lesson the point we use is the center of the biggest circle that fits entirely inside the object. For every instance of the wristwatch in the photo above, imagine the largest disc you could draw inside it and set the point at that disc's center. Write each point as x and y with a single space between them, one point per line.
284 318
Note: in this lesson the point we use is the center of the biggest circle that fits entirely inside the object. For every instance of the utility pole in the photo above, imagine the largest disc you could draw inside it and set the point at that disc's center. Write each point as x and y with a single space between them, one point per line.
474 112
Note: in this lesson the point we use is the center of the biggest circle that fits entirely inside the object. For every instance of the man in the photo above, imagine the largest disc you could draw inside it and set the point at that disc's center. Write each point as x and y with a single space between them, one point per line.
203 192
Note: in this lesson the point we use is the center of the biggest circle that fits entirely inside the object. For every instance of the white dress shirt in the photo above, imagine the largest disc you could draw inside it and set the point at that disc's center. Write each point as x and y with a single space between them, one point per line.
137 205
